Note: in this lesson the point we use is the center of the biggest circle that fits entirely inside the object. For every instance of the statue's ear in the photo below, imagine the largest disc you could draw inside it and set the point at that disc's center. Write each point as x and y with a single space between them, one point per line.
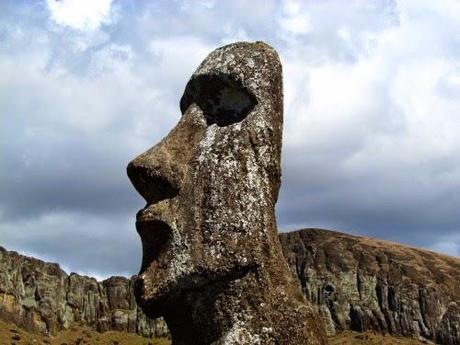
223 101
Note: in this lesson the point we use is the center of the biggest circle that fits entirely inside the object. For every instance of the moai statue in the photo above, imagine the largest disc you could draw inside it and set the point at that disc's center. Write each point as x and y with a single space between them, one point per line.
212 263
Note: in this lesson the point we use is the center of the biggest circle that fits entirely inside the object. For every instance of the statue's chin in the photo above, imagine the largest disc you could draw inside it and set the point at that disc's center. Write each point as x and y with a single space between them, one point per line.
153 308
150 299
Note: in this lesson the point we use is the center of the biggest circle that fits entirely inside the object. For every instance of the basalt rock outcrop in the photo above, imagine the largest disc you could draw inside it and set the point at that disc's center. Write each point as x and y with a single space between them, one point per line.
356 283
364 284
41 297
212 261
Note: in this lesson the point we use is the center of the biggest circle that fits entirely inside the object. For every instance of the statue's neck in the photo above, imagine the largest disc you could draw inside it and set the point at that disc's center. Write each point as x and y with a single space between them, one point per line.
237 332
261 307
229 314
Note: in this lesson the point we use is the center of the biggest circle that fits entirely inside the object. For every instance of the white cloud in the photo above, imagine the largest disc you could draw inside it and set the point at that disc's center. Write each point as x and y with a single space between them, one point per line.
371 143
86 15
176 66
449 246
293 20
385 105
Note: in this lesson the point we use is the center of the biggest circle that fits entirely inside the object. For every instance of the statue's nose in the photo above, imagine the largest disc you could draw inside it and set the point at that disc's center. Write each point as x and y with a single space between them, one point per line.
153 176
158 173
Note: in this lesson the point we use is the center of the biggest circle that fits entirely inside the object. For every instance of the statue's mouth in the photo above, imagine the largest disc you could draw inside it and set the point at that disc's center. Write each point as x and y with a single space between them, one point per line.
155 236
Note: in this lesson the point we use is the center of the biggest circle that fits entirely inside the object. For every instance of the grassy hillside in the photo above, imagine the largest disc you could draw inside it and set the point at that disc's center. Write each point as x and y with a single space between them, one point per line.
369 338
11 334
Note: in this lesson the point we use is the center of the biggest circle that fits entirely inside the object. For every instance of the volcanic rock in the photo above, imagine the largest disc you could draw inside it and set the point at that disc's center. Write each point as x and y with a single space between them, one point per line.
338 273
365 284
41 297
212 261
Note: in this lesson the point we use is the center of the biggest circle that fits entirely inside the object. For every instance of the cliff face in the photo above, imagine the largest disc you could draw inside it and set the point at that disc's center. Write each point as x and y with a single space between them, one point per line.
41 297
357 283
364 284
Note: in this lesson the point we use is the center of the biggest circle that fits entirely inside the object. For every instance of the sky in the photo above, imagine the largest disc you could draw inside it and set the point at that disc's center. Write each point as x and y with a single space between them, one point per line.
371 125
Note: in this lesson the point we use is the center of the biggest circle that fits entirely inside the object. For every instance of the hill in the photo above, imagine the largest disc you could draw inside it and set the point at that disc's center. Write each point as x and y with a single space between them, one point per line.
363 284
357 283
40 297
10 334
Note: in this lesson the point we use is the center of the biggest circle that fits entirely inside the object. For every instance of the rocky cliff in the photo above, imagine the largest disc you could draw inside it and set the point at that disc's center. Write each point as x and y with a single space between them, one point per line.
364 284
41 297
357 283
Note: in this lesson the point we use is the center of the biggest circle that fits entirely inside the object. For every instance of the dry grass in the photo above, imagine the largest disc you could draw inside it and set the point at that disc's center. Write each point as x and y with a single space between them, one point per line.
369 338
11 334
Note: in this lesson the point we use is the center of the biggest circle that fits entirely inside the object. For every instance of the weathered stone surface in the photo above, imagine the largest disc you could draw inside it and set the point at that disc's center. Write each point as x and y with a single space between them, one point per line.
41 297
364 284
212 261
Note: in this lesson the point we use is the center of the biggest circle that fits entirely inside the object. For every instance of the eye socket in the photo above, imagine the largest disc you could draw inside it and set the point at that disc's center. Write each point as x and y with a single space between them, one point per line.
224 101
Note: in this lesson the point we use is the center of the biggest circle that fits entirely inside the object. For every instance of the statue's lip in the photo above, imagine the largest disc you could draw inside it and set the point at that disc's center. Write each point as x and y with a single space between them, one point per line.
154 212
144 216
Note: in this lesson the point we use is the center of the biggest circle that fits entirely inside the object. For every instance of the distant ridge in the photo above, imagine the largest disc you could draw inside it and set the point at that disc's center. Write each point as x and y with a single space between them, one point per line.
41 297
360 284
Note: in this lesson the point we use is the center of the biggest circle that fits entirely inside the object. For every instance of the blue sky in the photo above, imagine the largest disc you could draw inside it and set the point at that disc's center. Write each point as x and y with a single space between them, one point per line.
372 103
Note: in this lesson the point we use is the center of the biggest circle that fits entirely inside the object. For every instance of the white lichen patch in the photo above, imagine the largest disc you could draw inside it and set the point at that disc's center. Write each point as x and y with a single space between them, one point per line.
241 334
206 143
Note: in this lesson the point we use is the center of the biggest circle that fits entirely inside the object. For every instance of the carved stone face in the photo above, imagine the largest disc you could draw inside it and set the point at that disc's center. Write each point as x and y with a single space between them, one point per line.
211 185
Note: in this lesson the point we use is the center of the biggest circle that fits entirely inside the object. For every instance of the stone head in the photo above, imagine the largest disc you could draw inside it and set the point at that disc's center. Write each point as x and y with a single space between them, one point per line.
212 183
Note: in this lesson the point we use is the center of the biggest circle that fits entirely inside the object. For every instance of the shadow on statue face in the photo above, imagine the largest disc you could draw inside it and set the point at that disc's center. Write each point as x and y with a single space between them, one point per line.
204 183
